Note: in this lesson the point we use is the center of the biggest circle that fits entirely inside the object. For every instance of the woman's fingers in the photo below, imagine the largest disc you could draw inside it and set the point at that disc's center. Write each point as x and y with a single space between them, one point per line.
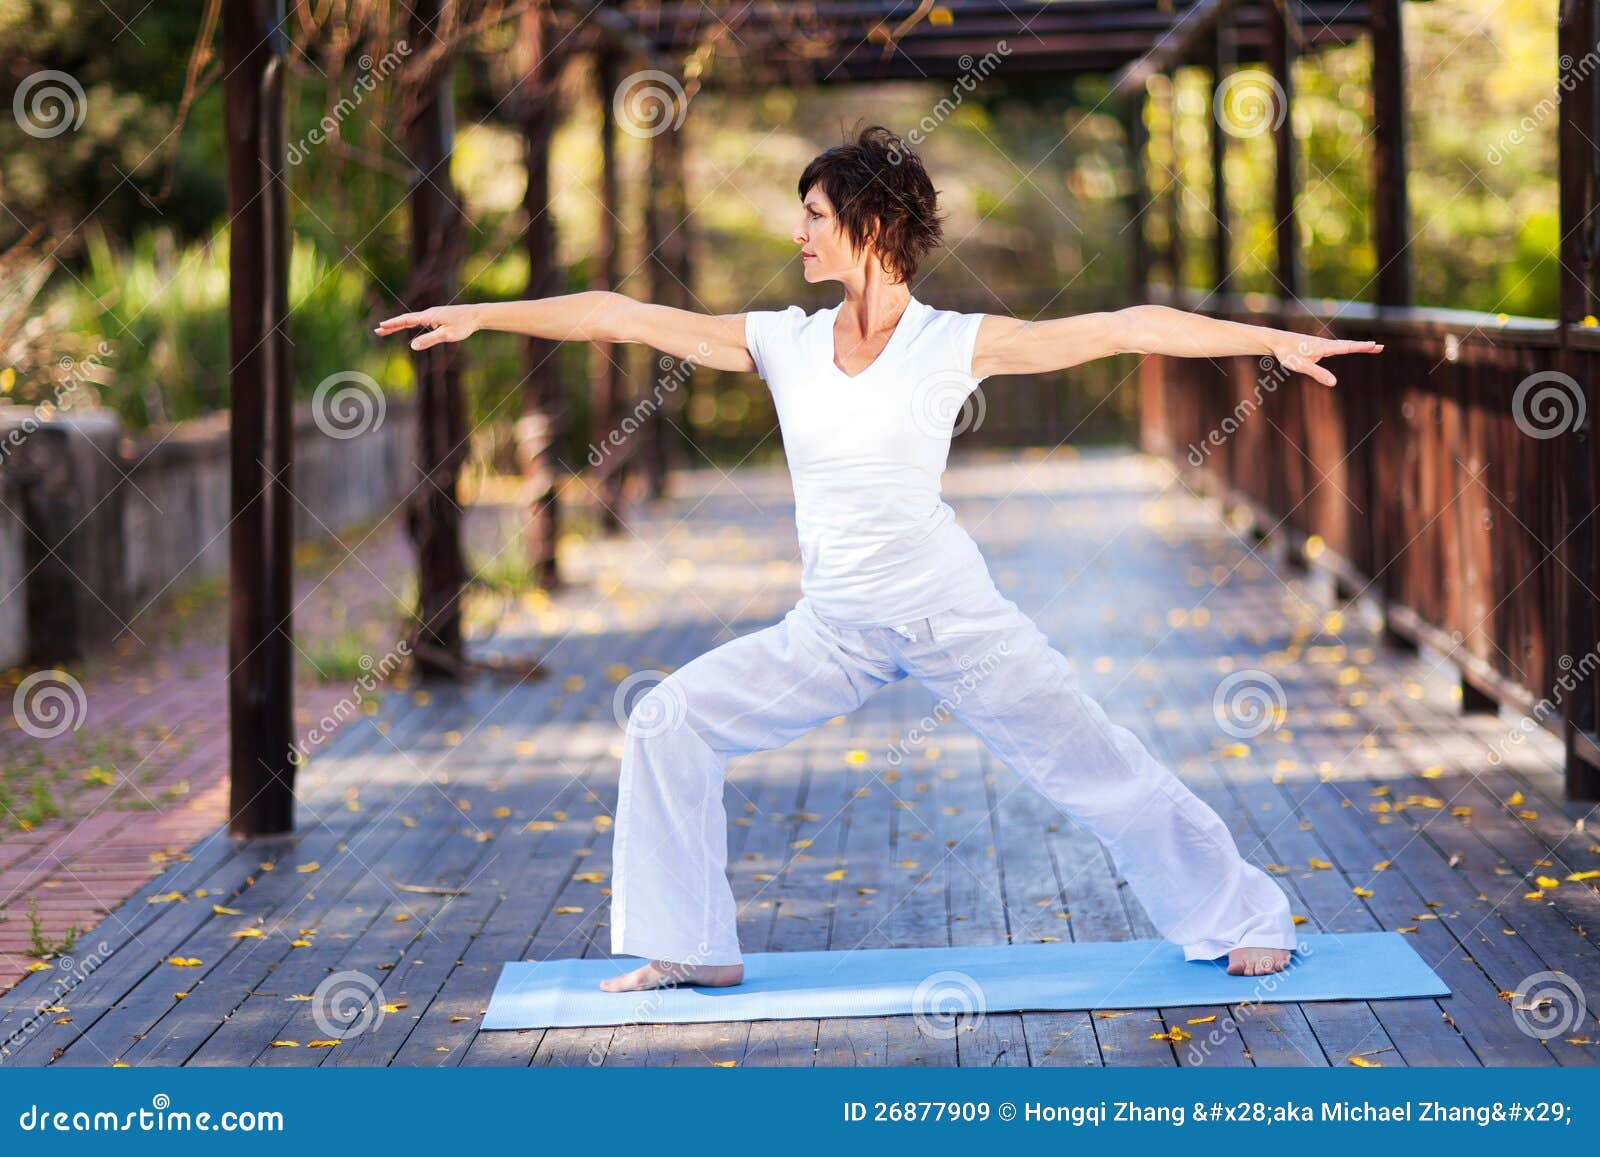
403 321
433 337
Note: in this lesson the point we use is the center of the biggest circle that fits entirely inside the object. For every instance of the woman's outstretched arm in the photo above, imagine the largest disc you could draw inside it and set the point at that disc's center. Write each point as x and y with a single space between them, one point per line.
1009 345
713 340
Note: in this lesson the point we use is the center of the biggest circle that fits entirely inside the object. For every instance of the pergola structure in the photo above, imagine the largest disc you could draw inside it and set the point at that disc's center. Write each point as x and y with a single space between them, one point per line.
1360 531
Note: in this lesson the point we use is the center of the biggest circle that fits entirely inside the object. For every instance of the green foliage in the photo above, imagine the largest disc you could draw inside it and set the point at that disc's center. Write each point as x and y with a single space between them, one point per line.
164 311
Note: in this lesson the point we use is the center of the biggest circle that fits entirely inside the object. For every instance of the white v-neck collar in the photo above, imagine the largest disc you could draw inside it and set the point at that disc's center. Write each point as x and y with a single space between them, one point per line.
900 329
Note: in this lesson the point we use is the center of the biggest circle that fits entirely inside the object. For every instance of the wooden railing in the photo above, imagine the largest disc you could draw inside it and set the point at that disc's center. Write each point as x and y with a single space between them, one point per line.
1450 478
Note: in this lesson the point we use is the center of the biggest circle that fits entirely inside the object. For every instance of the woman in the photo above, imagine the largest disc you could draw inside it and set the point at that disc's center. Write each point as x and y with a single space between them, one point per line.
866 394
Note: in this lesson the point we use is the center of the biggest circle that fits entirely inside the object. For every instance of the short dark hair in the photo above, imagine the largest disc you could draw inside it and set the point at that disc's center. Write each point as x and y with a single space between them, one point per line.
877 181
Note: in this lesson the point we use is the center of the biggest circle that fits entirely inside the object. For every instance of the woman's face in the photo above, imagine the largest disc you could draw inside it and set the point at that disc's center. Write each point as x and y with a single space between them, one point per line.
825 251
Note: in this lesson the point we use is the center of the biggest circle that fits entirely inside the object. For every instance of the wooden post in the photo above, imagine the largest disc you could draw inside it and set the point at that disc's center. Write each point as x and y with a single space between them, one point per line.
660 222
1282 35
1391 208
1222 54
261 434
679 254
1391 222
433 514
1579 169
607 378
1138 200
542 425
1175 201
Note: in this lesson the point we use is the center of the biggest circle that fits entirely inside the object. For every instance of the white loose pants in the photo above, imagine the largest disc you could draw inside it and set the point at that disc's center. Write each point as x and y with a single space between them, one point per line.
670 897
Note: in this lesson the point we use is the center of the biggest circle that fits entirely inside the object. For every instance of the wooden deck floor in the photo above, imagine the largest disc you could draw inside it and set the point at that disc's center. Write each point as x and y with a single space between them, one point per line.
504 794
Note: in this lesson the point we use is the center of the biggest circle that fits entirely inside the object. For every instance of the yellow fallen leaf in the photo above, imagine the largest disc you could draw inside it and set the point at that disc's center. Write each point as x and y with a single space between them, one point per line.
724 1064
39 966
1362 1062
1317 863
837 874
221 911
285 1044
321 1044
1547 882
1381 865
1362 892
394 1007
307 868
1201 1019
589 877
568 910
1516 798
184 961
1407 928
248 933
167 898
1580 876
1299 919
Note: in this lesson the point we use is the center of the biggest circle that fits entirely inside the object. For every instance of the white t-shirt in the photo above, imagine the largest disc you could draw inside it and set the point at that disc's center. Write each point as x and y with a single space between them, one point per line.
878 544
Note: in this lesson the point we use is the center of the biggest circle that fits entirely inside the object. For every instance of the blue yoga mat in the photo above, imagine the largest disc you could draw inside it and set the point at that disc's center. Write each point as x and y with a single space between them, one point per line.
939 981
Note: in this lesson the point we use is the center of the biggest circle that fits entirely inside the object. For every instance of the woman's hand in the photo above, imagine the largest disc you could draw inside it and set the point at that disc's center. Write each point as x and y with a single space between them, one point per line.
447 322
1300 352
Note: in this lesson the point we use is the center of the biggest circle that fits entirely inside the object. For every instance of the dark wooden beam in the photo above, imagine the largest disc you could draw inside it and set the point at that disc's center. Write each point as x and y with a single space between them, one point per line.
261 434
438 243
1137 135
542 424
607 379
1391 210
1579 177
666 234
1283 32
1578 165
1175 186
1221 45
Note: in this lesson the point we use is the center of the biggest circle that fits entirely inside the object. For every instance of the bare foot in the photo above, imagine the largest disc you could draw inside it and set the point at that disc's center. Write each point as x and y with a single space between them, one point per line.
662 974
1256 961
